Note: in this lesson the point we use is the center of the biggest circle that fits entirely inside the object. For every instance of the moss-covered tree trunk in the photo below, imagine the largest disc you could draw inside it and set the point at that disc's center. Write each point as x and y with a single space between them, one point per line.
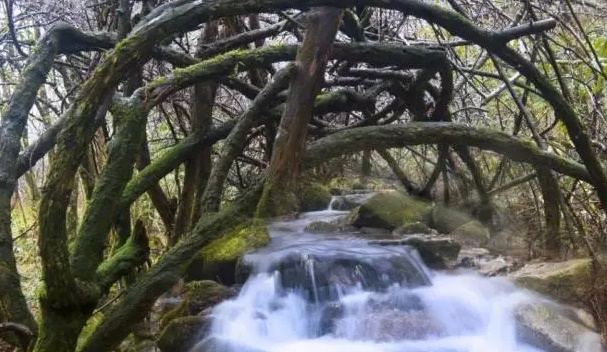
290 142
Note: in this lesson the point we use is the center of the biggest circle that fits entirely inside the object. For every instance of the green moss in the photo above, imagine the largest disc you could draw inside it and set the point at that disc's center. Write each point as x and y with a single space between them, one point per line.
276 202
243 239
313 196
445 220
218 260
198 296
472 234
569 282
181 334
390 210
90 327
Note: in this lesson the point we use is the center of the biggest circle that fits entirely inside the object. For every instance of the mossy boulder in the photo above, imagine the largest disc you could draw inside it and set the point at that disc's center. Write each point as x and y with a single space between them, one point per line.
277 202
197 297
181 334
218 260
414 228
471 234
313 196
568 282
445 219
389 210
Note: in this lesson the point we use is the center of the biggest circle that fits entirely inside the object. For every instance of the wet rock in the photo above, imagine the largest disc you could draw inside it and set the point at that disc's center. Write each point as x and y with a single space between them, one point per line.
544 325
197 297
414 228
497 266
349 201
216 344
373 233
471 234
183 333
485 263
321 226
385 325
568 282
313 196
389 210
438 252
218 260
470 257
322 277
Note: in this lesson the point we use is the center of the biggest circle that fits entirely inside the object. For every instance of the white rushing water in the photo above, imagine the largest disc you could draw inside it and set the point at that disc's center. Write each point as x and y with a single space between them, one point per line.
276 312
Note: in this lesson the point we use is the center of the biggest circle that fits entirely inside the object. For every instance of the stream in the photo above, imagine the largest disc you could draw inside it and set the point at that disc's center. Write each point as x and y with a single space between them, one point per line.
314 292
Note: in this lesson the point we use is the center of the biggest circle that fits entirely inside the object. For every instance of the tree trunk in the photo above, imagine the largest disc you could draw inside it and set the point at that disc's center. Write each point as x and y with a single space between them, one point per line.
197 168
311 61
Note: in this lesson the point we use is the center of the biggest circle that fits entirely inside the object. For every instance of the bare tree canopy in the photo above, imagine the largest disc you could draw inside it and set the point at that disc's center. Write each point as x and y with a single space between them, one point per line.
141 131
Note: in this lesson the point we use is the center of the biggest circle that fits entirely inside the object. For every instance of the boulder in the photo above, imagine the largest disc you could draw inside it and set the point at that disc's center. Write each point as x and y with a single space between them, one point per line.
470 257
485 263
547 326
390 325
197 297
349 201
438 252
181 334
321 227
389 210
471 234
323 276
218 260
414 228
568 282
446 220
313 196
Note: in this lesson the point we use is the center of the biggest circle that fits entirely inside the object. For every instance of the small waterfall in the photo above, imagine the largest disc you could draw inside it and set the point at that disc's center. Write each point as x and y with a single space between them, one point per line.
322 293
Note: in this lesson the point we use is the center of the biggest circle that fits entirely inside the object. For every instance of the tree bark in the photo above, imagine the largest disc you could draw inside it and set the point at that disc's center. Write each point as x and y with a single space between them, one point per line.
197 168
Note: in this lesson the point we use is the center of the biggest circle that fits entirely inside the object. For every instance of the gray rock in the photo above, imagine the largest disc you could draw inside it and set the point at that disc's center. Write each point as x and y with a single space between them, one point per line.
216 344
414 228
471 234
321 226
438 252
349 201
445 219
543 325
481 260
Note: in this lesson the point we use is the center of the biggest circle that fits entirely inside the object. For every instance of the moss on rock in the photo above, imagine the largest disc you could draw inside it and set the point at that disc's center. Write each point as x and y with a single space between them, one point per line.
181 334
217 260
198 296
414 228
389 210
446 220
569 282
322 226
313 196
471 234
276 202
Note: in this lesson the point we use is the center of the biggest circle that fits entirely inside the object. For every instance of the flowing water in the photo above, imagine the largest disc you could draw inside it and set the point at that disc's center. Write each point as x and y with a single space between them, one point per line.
336 293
